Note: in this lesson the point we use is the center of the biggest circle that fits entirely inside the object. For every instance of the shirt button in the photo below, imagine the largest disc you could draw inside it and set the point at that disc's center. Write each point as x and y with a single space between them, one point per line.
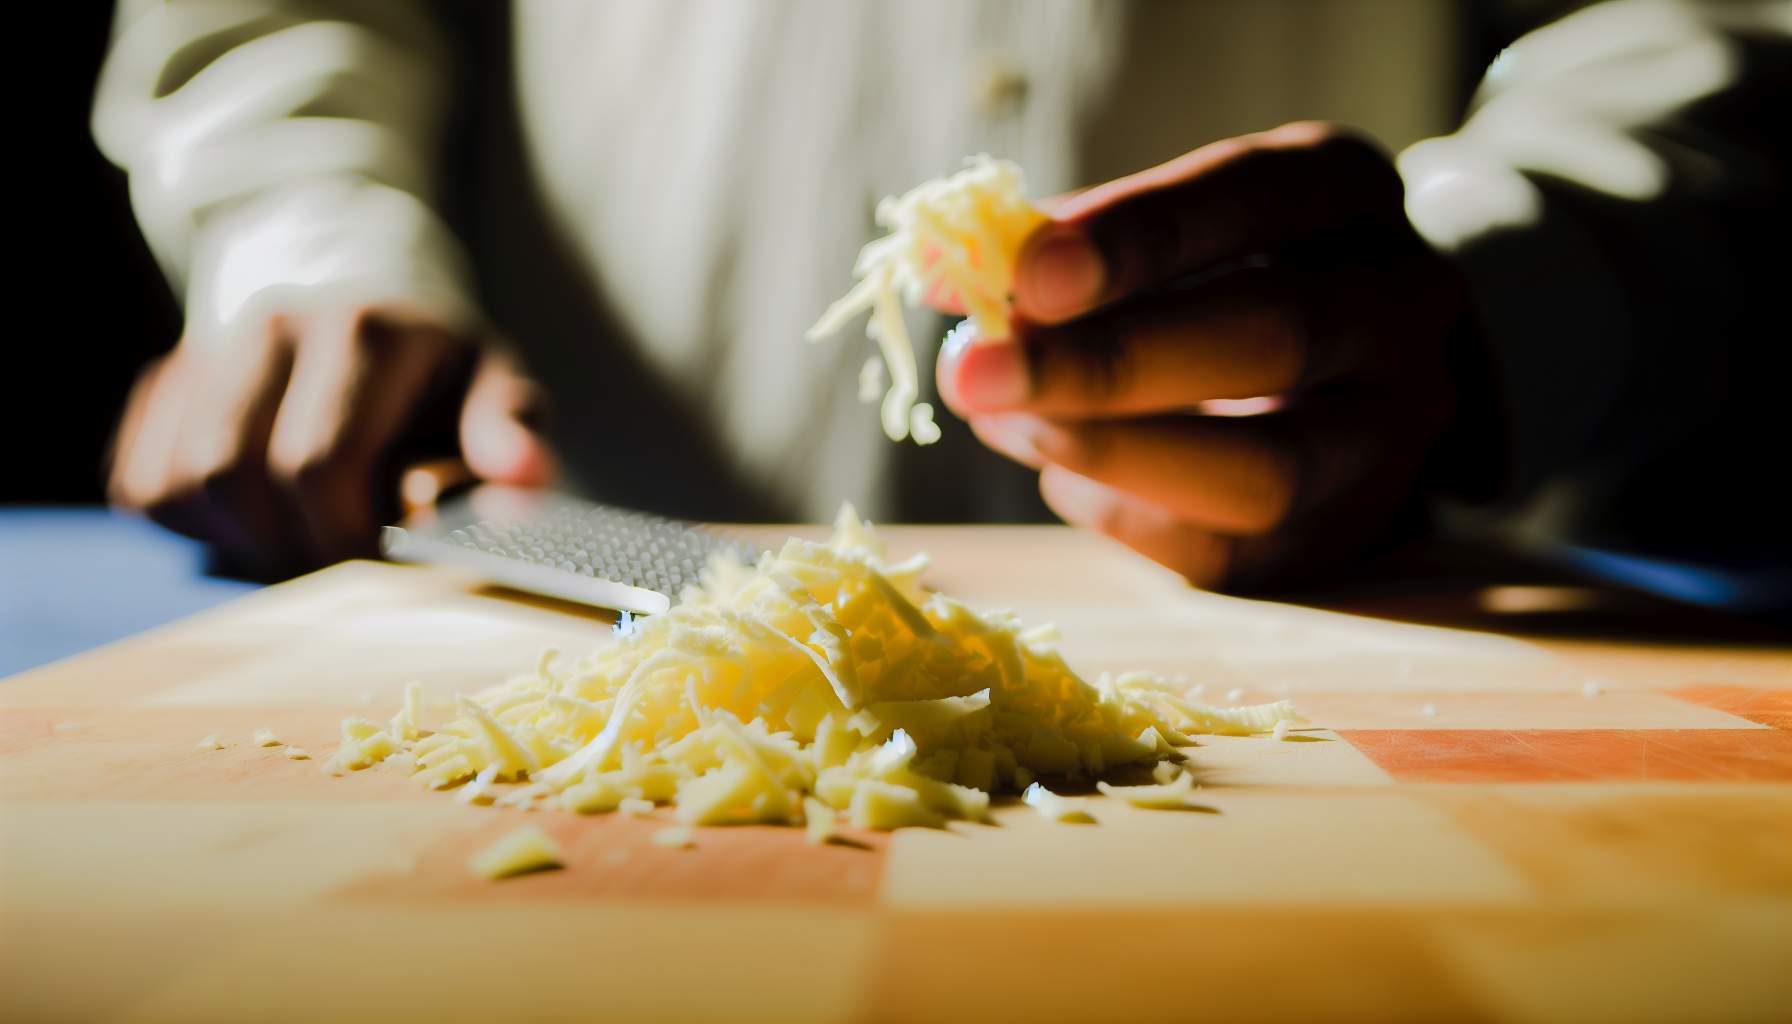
1001 88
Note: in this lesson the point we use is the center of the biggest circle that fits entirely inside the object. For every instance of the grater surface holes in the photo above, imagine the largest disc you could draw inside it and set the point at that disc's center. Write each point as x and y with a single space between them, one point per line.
603 542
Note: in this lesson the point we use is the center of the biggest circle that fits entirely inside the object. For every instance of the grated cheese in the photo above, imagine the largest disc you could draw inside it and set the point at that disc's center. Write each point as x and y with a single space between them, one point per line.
1053 807
296 754
264 737
818 821
1164 796
956 237
678 837
822 685
526 849
211 742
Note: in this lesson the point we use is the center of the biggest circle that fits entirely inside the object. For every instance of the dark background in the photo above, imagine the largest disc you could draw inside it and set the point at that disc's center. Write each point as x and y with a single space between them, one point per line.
96 308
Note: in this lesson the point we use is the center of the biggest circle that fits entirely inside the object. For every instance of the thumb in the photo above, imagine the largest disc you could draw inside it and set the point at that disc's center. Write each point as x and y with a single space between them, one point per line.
498 434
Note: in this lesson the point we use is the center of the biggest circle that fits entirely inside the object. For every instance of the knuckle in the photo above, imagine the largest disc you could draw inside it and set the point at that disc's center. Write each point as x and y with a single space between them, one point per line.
1207 571
1280 335
1089 450
1087 365
163 500
125 490
1112 519
302 468
1270 503
214 472
1304 133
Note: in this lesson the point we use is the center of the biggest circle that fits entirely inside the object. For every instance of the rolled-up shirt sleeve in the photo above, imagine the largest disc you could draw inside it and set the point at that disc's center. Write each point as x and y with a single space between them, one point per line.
1617 200
283 155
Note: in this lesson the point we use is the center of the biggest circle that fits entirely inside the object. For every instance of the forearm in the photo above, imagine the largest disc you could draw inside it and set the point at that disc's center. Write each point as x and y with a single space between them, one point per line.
282 154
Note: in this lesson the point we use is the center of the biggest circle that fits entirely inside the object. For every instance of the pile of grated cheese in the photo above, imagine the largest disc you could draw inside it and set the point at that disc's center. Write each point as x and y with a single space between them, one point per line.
953 238
822 683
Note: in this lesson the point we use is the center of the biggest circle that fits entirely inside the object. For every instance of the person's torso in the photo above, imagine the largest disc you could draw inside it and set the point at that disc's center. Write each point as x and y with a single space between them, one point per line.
712 167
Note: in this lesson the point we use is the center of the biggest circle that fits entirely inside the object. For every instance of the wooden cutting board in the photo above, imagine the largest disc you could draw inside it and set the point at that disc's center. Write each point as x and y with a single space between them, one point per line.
1479 826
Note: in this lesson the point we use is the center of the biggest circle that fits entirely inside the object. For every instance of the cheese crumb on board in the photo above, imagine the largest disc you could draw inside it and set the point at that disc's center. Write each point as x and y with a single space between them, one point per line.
823 684
526 849
265 738
818 821
1164 796
955 238
211 742
296 754
1280 732
678 837
1053 807
1591 689
1428 710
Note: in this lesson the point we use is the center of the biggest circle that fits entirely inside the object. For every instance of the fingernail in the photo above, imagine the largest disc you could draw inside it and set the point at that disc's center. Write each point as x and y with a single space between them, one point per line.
1077 499
957 340
1063 276
990 375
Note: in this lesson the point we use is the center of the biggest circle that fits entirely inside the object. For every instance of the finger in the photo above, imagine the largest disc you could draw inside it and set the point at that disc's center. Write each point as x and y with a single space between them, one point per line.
356 383
1241 339
1228 476
1010 434
424 484
1222 202
1200 555
499 436
221 458
144 440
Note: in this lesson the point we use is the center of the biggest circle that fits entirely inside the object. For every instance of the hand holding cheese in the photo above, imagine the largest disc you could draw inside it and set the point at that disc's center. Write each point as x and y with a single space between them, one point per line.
1277 266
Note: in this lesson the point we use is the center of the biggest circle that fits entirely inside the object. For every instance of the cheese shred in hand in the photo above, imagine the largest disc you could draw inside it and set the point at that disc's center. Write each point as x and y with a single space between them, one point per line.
954 239
822 684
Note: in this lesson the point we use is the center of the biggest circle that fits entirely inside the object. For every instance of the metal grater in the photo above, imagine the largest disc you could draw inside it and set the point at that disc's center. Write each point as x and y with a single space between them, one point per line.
563 547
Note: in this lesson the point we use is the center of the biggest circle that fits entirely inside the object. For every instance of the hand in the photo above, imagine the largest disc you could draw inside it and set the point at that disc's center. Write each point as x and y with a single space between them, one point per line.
1318 301
285 451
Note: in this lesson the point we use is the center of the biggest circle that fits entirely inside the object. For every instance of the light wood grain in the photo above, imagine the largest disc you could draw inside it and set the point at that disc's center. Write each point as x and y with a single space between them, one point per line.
144 879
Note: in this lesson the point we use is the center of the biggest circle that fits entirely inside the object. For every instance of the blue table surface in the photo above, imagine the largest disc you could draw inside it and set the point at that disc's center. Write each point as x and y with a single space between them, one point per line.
72 578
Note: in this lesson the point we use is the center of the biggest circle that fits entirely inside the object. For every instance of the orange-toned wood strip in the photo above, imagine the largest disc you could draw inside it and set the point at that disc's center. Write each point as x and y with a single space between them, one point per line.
611 858
1768 707
1578 755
